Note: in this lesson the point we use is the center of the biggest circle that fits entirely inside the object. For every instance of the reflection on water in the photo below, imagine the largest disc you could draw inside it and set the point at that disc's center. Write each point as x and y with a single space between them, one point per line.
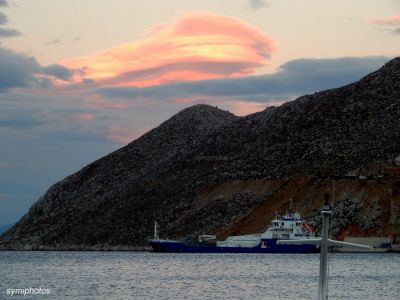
135 275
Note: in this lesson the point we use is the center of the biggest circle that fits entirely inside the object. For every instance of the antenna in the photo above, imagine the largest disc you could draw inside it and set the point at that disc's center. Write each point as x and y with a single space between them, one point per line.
156 230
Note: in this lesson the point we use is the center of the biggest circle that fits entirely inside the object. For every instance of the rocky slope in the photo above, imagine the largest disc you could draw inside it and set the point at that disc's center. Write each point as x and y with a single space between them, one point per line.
170 173
361 207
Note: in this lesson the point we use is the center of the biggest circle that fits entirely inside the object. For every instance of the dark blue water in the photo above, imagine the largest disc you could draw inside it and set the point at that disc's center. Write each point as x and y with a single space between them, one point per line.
135 275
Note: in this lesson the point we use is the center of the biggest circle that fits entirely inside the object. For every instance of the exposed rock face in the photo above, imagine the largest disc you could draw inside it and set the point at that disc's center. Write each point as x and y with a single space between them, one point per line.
361 207
166 173
349 215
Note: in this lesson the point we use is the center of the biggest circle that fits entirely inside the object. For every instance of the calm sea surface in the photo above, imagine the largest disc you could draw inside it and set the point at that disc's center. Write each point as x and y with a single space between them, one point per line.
136 275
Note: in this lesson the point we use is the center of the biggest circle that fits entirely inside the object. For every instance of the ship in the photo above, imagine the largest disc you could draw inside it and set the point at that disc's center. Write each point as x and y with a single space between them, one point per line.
288 227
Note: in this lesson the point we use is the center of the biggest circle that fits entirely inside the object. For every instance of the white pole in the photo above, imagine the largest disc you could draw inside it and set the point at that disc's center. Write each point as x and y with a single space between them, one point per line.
323 266
155 230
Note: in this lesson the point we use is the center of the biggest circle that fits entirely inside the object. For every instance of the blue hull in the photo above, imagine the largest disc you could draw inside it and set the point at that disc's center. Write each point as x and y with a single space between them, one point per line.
266 246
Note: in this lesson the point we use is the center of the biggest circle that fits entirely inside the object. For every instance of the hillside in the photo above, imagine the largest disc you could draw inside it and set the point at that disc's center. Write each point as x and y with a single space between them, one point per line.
208 171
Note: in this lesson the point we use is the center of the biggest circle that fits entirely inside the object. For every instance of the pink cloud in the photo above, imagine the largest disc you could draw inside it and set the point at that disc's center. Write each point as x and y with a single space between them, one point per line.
195 46
85 116
77 117
6 165
99 102
5 196
243 108
387 21
239 107
123 136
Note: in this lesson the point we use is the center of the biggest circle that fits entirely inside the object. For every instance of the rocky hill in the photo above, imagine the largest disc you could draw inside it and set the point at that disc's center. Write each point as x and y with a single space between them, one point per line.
208 171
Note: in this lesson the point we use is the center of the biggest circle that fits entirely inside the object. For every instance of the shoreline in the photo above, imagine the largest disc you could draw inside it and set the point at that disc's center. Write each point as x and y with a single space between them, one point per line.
83 249
149 249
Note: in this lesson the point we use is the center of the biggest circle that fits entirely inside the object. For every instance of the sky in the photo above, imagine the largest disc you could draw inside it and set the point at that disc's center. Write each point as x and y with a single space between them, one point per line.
80 79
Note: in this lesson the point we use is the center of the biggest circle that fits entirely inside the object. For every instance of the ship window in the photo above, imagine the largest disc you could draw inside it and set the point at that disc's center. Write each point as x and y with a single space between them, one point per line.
283 223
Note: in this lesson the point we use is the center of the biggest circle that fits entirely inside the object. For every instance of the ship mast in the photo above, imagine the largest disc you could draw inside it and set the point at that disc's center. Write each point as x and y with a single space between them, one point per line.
156 230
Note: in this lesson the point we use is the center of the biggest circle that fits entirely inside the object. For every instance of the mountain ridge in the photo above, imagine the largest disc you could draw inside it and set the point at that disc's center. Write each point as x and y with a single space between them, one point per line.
165 173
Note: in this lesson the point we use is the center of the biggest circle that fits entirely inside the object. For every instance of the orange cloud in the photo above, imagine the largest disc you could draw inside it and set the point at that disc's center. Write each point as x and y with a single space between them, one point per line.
85 116
5 196
79 117
123 136
6 165
99 102
195 46
243 108
387 21
238 107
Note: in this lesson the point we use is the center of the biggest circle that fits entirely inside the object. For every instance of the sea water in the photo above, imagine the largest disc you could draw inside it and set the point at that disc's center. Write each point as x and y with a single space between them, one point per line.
146 275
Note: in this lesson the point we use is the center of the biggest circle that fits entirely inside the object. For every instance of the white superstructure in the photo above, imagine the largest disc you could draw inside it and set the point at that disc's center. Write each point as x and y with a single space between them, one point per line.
288 227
